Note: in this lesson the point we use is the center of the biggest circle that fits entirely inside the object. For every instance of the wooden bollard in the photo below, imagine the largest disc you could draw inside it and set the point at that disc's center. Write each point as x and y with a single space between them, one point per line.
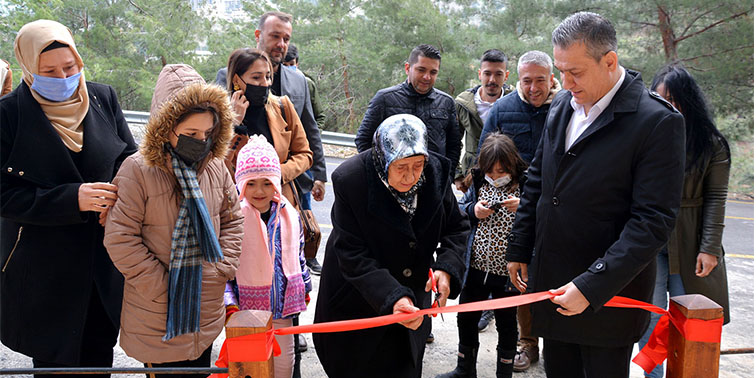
244 323
687 358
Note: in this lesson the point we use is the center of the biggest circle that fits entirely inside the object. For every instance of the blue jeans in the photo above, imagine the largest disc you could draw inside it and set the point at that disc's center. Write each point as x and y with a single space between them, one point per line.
665 282
305 197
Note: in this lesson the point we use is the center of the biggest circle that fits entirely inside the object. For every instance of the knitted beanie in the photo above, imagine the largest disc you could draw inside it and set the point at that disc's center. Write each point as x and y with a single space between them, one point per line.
258 159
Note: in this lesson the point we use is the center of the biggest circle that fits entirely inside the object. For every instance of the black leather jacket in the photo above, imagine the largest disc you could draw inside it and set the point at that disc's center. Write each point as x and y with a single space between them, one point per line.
435 108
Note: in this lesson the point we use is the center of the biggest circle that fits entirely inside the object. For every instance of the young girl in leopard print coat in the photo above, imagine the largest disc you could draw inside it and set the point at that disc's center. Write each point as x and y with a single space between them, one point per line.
490 203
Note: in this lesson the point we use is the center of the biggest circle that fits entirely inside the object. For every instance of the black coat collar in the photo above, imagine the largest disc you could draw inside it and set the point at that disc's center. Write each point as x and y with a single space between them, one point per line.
39 153
626 100
383 205
410 90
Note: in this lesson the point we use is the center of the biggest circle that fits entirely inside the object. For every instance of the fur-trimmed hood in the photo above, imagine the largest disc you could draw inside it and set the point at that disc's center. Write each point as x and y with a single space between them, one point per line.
179 87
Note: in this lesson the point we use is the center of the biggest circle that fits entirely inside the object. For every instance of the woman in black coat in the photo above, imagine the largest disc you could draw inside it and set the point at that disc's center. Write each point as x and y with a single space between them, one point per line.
393 206
62 139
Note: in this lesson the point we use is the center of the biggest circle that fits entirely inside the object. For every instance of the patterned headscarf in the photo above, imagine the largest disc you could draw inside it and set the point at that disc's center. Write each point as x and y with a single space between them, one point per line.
400 136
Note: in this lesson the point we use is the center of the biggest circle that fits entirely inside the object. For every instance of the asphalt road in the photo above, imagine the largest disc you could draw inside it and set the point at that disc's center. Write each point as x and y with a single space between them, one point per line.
440 356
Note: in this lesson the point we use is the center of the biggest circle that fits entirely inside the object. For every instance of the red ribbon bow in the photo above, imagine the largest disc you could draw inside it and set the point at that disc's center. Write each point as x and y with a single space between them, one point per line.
655 351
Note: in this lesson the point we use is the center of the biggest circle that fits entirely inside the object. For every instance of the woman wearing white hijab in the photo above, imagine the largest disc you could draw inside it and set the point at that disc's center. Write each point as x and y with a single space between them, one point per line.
62 139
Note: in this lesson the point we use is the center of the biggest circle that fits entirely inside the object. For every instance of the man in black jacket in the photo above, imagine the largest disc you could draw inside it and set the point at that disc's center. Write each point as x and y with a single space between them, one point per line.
417 96
601 198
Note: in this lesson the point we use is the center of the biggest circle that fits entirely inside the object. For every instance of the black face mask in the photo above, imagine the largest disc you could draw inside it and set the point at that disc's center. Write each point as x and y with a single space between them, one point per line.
192 150
257 95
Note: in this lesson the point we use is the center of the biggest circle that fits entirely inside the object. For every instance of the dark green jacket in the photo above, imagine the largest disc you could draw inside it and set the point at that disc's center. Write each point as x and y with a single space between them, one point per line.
471 125
699 227
317 110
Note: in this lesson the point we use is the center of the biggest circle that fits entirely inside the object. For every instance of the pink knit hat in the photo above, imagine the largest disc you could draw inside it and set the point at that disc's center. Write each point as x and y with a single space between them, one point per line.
258 159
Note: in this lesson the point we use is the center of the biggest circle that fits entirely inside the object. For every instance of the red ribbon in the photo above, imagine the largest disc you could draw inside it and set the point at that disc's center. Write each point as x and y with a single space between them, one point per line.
656 349
259 347
248 348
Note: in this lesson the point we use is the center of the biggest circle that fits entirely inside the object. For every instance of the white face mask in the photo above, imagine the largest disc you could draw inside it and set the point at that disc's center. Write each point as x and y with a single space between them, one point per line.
499 182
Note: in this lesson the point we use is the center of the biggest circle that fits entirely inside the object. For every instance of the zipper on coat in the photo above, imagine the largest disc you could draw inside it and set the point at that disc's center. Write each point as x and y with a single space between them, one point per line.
18 239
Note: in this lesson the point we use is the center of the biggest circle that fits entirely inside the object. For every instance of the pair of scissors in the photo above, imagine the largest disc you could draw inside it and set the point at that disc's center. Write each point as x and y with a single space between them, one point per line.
434 289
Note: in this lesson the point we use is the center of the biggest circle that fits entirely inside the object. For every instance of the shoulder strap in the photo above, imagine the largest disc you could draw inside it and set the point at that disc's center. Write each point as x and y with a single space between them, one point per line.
283 110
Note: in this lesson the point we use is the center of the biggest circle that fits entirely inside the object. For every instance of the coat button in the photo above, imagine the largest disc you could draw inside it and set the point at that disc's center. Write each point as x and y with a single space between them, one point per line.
10 169
412 245
555 201
407 272
20 173
599 266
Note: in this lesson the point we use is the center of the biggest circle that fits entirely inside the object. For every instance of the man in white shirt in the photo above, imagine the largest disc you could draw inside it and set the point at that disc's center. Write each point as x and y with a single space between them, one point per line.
600 200
474 104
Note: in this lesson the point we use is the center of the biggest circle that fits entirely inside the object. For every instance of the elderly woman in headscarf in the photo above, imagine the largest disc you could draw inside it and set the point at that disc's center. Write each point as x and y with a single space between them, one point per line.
62 139
393 209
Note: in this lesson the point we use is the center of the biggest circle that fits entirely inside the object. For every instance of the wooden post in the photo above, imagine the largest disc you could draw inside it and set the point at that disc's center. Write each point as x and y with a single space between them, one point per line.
687 358
244 323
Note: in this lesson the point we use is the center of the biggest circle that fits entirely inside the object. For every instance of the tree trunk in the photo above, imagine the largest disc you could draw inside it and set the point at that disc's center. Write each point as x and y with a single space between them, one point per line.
667 34
347 92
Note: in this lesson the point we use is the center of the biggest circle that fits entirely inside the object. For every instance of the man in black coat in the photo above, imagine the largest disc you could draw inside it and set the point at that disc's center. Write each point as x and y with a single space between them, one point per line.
417 96
601 198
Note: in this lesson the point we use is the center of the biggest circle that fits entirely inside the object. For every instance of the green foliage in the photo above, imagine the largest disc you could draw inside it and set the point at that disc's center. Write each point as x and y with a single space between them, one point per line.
741 171
355 47
122 43
738 130
736 127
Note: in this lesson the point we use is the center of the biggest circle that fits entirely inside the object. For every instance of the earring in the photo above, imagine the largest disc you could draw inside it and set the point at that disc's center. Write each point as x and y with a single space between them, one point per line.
236 87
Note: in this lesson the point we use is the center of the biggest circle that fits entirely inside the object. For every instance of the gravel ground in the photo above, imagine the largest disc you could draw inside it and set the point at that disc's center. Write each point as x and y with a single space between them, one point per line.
439 356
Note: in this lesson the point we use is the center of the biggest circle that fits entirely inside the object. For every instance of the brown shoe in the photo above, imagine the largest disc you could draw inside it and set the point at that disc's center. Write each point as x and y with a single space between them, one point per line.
526 355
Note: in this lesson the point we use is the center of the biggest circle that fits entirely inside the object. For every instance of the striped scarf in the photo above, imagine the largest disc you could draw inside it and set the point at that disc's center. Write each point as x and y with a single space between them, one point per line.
193 239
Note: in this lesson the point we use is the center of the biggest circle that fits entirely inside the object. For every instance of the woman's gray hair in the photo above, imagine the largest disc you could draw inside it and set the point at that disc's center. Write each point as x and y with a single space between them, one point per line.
536 57
592 29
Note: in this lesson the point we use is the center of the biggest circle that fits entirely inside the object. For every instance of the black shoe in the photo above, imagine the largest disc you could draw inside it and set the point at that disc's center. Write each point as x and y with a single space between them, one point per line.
466 359
314 266
485 320
430 338
301 343
504 363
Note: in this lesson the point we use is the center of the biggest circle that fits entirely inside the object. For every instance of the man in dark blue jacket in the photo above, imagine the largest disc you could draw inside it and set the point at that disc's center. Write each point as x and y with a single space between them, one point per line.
521 115
417 96
599 203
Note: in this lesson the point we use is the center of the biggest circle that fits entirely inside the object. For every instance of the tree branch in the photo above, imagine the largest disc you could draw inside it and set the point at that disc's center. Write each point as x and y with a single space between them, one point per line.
138 7
644 23
716 53
693 21
712 25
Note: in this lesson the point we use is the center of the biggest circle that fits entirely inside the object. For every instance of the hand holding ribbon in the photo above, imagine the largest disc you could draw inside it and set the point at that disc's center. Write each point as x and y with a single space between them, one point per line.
653 354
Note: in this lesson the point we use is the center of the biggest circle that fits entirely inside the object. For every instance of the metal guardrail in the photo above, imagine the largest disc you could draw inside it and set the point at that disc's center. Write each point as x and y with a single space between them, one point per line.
137 120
